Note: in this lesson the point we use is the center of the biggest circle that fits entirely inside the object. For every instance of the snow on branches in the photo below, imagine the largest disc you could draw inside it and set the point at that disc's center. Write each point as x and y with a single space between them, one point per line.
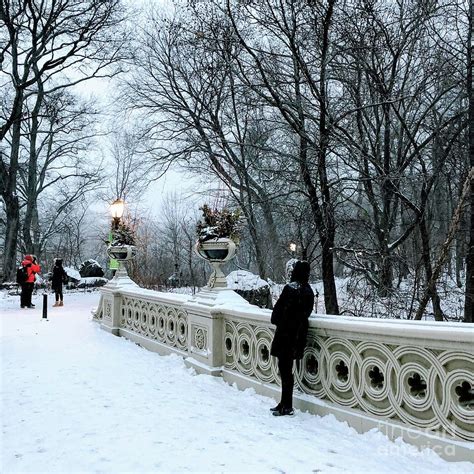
123 234
215 224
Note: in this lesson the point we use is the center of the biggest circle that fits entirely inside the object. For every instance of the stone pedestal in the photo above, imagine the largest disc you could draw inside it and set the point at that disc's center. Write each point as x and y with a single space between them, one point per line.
206 328
111 296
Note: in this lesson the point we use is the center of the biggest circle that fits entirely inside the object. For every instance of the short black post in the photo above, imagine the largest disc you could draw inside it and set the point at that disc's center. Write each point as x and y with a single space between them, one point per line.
45 306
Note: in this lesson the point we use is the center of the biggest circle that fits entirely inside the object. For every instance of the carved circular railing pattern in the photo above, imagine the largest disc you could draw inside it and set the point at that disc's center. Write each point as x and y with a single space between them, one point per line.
423 387
246 348
160 322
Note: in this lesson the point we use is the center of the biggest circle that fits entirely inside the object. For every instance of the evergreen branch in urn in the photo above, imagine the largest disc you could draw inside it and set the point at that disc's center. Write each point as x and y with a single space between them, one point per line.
123 234
219 223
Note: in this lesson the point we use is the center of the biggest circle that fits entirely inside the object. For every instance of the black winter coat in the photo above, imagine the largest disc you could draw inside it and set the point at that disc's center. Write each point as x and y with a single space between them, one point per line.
290 315
59 277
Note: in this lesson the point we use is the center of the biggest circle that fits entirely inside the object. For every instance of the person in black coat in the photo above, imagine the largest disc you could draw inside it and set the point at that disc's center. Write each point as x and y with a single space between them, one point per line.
59 277
290 315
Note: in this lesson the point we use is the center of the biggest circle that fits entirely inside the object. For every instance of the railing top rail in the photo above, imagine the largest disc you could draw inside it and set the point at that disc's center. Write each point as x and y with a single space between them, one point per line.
170 298
455 332
429 330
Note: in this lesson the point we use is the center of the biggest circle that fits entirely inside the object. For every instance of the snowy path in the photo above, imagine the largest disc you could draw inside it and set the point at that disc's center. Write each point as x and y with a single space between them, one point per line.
75 398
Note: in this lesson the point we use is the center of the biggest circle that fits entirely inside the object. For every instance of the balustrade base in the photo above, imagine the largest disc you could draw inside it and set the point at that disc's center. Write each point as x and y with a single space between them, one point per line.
149 344
110 330
201 368
445 446
122 281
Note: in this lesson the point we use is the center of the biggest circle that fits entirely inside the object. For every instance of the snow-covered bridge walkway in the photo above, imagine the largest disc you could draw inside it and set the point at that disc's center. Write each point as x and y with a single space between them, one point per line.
75 398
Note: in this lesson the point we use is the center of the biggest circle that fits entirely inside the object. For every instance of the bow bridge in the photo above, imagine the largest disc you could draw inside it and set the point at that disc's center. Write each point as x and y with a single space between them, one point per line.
409 379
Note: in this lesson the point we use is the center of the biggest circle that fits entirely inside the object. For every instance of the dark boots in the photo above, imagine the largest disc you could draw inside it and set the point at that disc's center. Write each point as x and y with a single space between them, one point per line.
279 410
284 412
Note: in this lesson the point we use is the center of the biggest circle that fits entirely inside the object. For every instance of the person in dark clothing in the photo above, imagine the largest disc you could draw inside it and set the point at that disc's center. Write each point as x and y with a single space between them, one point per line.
27 286
59 277
290 315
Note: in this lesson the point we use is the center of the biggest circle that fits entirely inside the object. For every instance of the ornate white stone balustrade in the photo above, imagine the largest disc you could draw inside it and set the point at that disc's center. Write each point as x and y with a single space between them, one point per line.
407 378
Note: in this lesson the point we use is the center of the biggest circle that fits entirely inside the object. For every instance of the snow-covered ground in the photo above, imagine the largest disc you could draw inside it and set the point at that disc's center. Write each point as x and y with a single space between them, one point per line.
76 399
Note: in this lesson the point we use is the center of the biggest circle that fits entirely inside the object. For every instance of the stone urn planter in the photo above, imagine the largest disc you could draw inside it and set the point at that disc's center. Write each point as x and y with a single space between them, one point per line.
216 251
121 253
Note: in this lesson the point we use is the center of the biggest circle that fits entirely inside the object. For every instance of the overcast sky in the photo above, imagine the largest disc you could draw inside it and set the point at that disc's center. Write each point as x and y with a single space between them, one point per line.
101 92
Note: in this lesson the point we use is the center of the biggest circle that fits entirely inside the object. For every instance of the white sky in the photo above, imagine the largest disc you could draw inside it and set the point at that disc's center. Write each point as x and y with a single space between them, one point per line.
101 92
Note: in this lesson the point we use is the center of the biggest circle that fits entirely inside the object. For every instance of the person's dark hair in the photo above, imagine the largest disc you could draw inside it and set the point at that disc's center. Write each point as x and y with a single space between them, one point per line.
301 272
58 262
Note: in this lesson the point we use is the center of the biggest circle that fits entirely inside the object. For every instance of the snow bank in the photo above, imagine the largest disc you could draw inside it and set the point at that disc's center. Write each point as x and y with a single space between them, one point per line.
91 281
244 280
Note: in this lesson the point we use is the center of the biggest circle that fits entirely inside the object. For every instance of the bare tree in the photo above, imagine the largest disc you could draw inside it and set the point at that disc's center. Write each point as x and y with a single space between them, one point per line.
130 170
190 100
46 47
56 141
292 69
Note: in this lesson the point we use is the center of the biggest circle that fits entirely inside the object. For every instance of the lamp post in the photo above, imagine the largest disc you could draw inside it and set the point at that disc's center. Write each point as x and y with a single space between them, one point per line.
292 247
291 262
116 209
119 250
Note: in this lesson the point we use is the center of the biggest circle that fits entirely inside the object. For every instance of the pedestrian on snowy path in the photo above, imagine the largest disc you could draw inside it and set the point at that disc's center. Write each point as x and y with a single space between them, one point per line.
59 277
290 315
29 268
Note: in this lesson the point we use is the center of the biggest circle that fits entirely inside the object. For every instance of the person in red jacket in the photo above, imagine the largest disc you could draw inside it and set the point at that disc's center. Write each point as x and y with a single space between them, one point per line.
32 268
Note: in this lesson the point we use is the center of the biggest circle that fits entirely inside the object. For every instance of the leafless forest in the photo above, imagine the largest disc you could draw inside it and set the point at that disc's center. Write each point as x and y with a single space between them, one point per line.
344 126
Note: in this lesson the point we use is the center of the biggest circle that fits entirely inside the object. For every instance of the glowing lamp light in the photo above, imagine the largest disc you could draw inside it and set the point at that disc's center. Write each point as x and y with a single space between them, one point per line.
117 208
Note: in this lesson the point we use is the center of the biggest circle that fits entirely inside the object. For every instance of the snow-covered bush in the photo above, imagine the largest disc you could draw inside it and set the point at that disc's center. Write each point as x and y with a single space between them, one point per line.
73 275
92 282
251 287
244 280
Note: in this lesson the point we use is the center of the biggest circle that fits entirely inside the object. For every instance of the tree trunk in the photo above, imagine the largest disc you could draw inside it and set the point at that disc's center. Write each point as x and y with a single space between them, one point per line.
469 300
31 191
327 268
444 251
273 236
12 203
386 271
426 257
386 266
460 251
257 244
11 237
326 234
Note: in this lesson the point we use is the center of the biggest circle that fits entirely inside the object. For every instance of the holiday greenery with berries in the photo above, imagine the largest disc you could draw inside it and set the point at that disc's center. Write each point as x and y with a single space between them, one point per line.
219 223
